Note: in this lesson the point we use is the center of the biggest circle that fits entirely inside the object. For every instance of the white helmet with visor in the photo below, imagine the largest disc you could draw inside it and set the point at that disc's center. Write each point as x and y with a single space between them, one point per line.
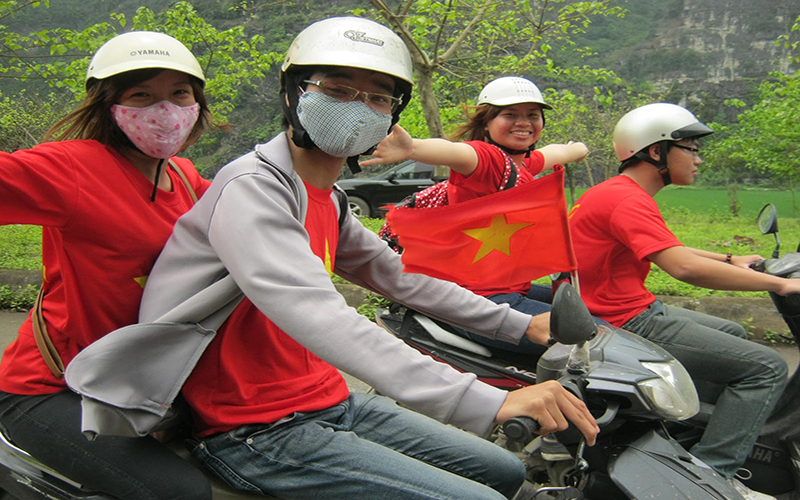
658 123
351 42
653 123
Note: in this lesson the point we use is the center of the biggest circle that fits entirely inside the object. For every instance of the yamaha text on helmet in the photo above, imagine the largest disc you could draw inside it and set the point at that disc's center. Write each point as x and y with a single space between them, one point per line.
142 50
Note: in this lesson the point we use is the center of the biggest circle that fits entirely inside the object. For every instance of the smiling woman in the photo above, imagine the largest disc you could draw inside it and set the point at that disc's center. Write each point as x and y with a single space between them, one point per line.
501 135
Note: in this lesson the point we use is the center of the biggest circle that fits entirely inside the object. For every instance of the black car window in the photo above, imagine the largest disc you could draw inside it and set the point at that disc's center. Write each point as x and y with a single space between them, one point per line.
414 171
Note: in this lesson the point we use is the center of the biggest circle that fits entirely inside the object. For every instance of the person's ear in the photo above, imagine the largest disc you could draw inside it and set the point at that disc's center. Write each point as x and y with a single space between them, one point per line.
654 151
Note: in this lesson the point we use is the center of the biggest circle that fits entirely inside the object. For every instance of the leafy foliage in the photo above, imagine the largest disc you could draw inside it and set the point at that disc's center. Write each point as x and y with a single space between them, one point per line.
18 298
232 60
766 138
457 47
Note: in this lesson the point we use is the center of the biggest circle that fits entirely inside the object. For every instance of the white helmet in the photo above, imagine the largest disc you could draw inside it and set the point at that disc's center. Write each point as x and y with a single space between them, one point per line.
353 42
142 50
653 123
510 90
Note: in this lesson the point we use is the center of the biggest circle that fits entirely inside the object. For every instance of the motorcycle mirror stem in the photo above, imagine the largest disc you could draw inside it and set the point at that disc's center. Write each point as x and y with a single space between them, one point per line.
572 324
768 224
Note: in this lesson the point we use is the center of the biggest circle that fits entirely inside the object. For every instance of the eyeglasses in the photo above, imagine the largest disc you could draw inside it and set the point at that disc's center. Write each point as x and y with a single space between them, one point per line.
382 103
694 151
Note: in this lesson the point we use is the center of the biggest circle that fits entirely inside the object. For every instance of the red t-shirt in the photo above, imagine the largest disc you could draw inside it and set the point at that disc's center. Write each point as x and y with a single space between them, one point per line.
253 372
487 179
615 226
101 235
488 176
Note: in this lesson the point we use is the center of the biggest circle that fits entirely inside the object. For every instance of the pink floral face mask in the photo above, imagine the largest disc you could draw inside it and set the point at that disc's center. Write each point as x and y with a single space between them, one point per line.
158 130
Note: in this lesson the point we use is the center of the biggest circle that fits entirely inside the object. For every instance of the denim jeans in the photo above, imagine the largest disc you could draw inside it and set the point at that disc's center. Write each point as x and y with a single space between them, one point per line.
365 448
715 350
49 428
537 301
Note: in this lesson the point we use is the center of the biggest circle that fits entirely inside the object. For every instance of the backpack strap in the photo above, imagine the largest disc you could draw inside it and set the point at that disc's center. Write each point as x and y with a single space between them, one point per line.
43 341
343 206
510 173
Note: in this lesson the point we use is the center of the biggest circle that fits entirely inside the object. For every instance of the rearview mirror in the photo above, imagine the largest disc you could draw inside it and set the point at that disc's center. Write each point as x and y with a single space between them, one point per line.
570 320
768 219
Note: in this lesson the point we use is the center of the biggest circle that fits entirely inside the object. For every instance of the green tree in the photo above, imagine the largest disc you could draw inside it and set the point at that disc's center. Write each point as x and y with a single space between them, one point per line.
231 59
461 45
767 136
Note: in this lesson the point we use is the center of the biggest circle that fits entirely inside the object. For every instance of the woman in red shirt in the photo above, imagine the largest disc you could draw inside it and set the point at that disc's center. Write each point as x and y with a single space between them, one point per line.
106 199
504 127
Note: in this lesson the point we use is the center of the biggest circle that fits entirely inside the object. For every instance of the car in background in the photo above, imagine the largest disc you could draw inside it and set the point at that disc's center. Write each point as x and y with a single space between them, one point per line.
367 195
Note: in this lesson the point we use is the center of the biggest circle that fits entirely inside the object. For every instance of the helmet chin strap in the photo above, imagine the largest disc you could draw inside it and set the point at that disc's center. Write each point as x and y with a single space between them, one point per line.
512 152
661 163
300 137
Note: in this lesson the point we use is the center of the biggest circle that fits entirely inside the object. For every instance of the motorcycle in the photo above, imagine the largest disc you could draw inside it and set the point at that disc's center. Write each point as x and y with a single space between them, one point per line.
632 387
773 465
22 477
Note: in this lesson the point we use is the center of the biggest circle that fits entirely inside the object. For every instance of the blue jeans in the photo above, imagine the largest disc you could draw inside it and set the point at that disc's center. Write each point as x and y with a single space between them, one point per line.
716 351
537 301
366 447
49 428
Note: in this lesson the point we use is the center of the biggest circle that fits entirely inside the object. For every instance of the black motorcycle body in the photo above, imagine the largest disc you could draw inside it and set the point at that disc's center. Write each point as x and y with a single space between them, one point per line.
773 465
22 477
631 386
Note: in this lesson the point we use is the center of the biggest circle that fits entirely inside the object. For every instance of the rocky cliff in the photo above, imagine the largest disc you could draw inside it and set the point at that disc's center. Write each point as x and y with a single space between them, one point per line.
716 47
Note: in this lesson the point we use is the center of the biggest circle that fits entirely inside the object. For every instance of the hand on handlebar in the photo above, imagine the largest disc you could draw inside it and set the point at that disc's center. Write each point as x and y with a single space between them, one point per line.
552 406
745 261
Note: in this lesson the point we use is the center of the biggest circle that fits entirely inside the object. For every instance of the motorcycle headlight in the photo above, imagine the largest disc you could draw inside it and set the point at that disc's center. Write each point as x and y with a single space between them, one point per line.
672 395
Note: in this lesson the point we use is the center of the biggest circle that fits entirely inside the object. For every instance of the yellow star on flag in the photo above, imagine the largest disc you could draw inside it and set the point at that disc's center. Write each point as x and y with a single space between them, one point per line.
495 237
141 280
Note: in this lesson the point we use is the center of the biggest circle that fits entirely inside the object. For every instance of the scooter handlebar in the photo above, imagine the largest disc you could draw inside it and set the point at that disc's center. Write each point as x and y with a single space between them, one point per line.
520 429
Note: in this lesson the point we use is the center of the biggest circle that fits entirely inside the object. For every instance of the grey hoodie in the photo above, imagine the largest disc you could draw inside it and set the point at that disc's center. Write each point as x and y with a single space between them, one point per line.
246 236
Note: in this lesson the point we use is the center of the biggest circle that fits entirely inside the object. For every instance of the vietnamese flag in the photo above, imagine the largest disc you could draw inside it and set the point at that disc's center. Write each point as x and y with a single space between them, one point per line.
493 242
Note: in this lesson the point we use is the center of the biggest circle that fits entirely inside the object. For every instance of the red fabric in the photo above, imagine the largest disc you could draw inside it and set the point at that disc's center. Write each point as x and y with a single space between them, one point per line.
615 226
253 372
490 172
528 229
100 238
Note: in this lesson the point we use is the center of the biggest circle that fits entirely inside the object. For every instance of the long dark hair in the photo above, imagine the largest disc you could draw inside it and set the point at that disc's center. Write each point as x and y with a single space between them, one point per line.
477 121
93 118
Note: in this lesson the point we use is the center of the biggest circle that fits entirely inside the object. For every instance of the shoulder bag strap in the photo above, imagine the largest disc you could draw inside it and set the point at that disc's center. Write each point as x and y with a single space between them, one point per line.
49 352
185 180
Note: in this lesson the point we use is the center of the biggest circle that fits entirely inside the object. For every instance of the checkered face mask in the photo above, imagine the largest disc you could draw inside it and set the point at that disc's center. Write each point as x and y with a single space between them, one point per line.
159 130
341 129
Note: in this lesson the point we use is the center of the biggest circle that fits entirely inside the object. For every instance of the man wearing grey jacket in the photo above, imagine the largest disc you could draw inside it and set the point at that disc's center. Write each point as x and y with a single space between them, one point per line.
272 412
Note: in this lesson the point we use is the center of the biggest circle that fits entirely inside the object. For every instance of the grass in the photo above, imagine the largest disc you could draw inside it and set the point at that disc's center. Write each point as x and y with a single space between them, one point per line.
20 247
698 217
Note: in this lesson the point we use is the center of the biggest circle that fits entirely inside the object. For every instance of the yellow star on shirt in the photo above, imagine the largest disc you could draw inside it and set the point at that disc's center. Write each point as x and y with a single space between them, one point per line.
495 237
328 263
141 280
